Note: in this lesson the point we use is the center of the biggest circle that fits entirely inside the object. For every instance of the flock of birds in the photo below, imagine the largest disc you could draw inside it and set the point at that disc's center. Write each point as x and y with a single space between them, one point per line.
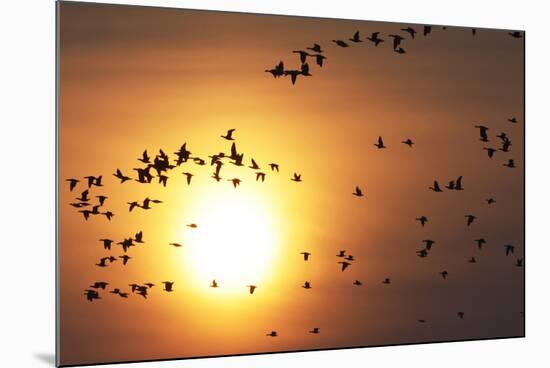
317 53
161 165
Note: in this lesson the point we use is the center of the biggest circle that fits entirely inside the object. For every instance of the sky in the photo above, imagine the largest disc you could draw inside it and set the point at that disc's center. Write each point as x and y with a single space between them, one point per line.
136 78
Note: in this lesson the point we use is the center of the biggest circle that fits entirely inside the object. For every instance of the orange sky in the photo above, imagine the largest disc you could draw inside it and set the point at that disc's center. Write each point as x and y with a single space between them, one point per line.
135 78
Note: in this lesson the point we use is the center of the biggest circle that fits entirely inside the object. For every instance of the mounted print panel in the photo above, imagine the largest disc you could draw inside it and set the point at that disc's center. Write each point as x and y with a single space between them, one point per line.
236 183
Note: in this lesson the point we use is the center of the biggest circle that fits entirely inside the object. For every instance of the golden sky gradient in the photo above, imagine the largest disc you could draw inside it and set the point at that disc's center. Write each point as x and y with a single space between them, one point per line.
135 78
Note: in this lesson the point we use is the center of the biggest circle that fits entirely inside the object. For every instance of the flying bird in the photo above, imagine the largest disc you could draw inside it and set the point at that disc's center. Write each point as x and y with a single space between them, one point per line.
272 334
357 283
125 258
106 243
306 285
374 38
429 243
297 177
168 286
510 164
460 315
509 249
386 281
422 220
341 254
72 183
444 274
490 200
435 187
315 330
306 255
235 181
229 135
119 175
410 31
480 242
519 262
340 43
469 219
177 245
408 142
356 37
513 120
472 260
84 196
214 284
303 55
396 40
358 192
260 175
490 151
427 30
344 265
483 133
251 288
99 285
380 143
274 167
315 48
515 34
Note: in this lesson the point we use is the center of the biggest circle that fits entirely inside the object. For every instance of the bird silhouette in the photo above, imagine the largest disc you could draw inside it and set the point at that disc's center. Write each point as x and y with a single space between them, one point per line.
469 219
315 48
458 185
509 249
145 157
315 330
84 196
410 31
138 238
126 244
306 285
272 334
260 175
102 262
274 167
319 59
177 245
101 199
380 143
214 284
358 192
423 253
357 283
188 177
515 34
429 243
422 220
108 214
192 226
505 147
349 258
229 135
306 255
483 133
107 243
119 175
91 295
163 179
444 274
480 242
374 38
400 50
386 281
427 30
460 315
396 40
132 205
435 187
99 285
125 258
472 260
490 200
293 75
356 37
277 71
340 43
253 165
513 120
297 177
510 164
474 30
168 286
304 69
519 262
341 254
236 182
490 151
408 142
451 185
251 288
421 321
344 265
72 183
303 55
86 214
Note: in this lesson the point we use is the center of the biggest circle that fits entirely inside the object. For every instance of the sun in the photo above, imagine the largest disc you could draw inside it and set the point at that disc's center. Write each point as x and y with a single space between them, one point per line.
235 241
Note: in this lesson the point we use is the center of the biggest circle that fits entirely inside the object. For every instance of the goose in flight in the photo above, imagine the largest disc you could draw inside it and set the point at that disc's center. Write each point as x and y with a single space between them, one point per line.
408 142
72 183
519 262
423 253
108 214
358 192
474 30
293 75
126 243
83 196
480 242
177 245
106 243
138 238
142 292
515 34
86 214
188 177
79 204
214 284
357 283
421 321
192 226
306 285
374 38
91 295
102 262
490 200
410 31
396 40
472 260
400 50
303 55
513 120
509 249
435 187
305 70
99 285
344 265
277 71
315 48
444 274
145 157
274 167
297 177
229 135
125 258
341 254
503 136
315 330
272 334
505 145
251 288
386 281
91 180
422 220
490 151
356 37
483 133
510 164
451 185
306 255
101 199
469 219
380 143
163 179
428 243
340 43
236 182
260 175
349 258
119 175
427 30
458 185
254 165
168 286
319 58
132 205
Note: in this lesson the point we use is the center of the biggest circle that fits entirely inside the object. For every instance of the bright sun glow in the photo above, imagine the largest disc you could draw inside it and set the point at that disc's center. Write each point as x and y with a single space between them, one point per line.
234 242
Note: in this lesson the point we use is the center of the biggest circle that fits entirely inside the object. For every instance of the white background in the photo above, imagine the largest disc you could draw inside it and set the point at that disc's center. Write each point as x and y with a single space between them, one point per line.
27 317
